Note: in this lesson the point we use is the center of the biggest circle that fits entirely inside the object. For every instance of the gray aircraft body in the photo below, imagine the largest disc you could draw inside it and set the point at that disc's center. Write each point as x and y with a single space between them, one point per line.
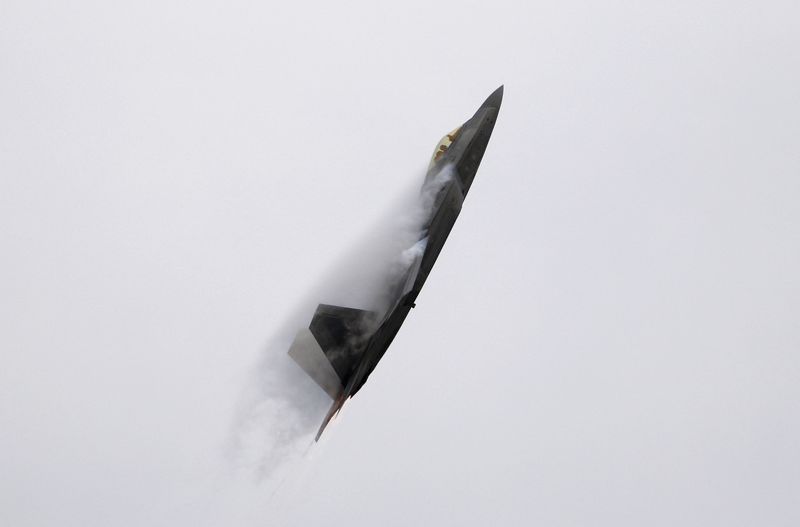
343 345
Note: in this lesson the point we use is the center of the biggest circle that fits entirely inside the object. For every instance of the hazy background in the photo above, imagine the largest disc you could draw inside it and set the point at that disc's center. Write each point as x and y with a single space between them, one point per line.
610 336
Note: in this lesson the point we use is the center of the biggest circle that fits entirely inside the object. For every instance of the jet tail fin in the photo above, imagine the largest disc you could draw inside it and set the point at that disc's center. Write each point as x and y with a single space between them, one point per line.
331 347
341 333
307 353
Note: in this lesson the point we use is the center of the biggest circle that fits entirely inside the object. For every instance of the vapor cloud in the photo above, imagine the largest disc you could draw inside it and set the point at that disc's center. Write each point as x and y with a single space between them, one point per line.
282 407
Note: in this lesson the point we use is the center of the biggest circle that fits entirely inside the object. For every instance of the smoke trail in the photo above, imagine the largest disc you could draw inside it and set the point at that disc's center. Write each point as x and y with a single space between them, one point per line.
282 407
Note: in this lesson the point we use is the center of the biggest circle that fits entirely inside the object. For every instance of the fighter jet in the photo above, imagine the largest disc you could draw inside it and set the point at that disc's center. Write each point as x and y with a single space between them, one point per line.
343 345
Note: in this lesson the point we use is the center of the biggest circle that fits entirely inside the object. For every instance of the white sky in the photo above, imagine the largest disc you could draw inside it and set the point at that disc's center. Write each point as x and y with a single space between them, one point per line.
610 336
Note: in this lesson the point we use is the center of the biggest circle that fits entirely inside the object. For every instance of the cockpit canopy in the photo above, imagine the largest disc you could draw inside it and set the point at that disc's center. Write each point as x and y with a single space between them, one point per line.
443 145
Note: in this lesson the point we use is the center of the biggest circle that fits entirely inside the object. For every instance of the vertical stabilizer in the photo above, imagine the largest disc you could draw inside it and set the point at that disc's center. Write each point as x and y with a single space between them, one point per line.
308 354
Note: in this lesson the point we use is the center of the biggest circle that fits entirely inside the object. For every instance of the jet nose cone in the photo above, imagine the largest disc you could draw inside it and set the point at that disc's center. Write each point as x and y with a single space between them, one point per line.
494 100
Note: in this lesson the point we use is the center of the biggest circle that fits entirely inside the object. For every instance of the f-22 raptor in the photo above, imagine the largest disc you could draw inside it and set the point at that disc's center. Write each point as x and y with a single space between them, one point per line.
342 345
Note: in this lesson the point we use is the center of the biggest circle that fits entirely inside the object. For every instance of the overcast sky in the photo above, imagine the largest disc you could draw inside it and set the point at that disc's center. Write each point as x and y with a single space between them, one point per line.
610 336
